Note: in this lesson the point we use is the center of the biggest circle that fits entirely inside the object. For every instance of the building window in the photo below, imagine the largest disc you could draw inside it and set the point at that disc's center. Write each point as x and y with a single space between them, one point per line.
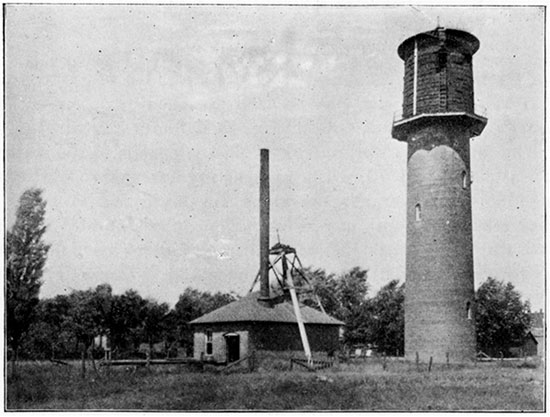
209 342
464 180
469 310
418 212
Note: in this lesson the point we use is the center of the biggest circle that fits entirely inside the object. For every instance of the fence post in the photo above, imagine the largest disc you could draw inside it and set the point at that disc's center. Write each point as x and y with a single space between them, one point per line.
384 361
447 358
417 360
430 364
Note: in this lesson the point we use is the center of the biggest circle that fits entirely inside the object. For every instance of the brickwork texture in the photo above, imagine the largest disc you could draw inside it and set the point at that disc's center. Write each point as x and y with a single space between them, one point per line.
439 300
444 80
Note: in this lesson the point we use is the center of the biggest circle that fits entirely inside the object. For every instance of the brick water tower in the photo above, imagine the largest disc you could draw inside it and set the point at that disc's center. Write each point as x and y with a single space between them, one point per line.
437 124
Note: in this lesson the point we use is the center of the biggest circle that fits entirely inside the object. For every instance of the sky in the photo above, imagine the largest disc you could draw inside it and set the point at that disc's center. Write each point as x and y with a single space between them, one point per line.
143 125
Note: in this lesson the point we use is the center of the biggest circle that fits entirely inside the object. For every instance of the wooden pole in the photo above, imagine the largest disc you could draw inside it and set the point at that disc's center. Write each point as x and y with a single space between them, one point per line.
302 329
430 364
417 361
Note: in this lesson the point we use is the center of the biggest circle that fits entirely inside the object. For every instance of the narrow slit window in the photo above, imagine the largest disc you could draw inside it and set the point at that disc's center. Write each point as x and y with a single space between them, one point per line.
469 310
464 180
209 348
418 212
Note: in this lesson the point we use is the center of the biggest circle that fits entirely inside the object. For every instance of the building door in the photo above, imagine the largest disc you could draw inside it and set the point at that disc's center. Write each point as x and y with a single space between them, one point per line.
232 342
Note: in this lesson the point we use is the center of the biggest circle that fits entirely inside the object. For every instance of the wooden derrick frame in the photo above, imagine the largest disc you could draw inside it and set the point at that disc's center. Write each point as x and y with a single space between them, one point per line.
281 252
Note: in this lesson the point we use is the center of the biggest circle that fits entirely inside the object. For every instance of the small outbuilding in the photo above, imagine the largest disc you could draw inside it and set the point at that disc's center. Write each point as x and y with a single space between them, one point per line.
538 335
538 331
528 347
236 330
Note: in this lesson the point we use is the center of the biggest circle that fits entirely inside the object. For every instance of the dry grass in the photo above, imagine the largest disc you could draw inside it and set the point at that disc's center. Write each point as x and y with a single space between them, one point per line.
358 386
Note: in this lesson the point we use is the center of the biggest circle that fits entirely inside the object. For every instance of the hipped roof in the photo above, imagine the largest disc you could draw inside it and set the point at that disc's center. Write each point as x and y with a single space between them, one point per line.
248 309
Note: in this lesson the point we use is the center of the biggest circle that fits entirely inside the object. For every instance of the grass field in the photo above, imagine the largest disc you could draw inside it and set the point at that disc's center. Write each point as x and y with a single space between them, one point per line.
359 386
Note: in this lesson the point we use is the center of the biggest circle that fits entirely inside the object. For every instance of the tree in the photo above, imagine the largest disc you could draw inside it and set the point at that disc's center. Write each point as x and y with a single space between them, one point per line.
351 291
384 320
88 315
25 259
125 322
193 304
324 290
47 336
342 297
154 322
502 318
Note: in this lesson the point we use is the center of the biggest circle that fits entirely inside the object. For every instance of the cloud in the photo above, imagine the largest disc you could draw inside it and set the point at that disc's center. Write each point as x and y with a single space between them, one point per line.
219 249
221 255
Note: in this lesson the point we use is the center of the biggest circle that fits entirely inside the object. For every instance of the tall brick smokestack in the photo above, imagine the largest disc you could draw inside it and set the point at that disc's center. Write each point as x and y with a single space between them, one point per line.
264 225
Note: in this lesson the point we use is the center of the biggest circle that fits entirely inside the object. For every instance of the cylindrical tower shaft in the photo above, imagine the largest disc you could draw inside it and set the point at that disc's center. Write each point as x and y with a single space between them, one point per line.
438 121
439 268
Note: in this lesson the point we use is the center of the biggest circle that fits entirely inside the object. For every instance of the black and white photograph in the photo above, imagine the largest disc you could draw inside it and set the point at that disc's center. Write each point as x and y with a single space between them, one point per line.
274 207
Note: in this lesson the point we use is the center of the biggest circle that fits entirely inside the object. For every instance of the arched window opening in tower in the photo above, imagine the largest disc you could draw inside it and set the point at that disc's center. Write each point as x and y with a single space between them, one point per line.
418 212
464 180
469 310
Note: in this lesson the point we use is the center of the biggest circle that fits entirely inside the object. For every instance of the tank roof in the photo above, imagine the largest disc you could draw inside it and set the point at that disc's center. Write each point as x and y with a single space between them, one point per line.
460 38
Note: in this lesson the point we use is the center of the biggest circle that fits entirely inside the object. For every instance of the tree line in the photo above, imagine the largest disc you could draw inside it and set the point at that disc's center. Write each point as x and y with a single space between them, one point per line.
502 317
66 325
